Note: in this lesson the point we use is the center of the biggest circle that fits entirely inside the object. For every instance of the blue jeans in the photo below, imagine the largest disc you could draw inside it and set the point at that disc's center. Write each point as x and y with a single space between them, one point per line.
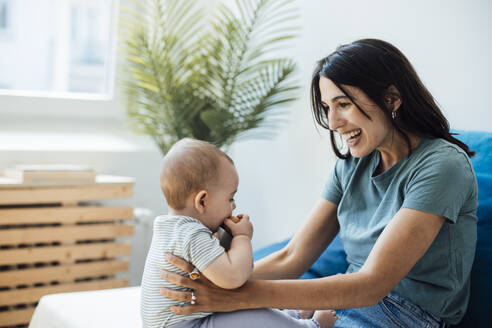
392 311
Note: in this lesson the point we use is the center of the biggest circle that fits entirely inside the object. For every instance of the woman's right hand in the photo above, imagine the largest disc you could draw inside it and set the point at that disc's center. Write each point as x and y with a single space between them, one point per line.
208 297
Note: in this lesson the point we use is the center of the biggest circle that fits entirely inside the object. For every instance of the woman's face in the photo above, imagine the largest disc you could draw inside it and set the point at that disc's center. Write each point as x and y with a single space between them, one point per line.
361 134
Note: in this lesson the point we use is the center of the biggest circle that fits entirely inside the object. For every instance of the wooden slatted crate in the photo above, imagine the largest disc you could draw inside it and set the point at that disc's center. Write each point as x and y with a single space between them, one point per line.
51 243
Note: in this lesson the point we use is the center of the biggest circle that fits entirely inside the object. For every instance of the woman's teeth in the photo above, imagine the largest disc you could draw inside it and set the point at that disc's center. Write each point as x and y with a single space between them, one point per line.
351 134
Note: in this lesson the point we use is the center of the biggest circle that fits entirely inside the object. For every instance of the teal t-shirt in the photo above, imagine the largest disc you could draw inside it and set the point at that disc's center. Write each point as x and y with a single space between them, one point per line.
437 177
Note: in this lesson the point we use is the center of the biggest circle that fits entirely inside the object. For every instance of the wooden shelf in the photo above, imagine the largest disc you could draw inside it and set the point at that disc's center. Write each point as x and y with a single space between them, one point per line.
51 243
106 187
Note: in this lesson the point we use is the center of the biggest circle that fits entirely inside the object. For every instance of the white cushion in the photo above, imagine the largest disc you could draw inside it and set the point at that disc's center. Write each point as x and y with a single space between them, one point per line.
101 308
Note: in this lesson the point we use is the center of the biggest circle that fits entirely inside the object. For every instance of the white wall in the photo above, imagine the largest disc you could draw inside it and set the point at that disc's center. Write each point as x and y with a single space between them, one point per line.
449 46
281 179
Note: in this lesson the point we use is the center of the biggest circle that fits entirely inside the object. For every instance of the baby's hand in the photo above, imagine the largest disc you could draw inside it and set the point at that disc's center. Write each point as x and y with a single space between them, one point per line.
240 225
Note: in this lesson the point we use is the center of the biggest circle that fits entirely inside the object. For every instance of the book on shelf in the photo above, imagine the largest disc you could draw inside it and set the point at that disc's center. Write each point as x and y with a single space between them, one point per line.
51 174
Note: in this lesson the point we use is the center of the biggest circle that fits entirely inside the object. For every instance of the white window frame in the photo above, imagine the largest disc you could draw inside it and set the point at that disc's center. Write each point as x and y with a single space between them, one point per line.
5 33
21 103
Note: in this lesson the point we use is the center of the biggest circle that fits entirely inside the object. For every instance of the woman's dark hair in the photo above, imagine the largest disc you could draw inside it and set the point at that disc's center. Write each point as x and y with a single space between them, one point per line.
373 66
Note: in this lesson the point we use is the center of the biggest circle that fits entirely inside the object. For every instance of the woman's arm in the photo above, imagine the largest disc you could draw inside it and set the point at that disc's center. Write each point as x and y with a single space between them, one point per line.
402 243
304 248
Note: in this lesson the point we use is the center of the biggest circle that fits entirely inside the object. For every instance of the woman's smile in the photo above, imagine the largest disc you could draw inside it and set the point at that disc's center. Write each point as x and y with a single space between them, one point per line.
353 137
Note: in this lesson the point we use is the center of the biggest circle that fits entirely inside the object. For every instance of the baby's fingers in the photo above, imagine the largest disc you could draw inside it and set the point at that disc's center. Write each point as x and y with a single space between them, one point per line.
229 223
243 217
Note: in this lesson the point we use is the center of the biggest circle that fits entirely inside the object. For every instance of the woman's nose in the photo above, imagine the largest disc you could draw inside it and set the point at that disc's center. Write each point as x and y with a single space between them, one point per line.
233 206
334 120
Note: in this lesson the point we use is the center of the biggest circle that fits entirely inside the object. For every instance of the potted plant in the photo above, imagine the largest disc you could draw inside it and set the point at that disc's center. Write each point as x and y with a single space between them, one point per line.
216 80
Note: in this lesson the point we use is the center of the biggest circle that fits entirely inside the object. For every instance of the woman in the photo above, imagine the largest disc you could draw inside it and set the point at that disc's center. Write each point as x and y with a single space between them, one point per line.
403 198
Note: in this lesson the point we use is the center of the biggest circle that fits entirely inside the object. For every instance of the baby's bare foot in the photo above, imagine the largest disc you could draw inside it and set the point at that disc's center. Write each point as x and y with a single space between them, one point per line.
326 318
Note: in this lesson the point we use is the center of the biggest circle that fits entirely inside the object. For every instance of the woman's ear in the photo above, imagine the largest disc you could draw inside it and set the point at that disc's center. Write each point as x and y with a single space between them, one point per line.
200 201
392 98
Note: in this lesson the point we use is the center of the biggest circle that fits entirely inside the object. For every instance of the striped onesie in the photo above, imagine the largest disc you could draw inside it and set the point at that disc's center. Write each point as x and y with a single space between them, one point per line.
189 239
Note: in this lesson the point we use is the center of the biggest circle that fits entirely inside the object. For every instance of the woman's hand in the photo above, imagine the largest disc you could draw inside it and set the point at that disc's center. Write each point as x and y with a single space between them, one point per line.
208 297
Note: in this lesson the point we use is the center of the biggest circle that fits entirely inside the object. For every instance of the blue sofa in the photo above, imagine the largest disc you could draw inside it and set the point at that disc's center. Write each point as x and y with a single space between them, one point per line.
479 313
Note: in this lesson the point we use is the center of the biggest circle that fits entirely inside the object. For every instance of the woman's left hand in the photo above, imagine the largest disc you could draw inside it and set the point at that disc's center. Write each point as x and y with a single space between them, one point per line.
208 297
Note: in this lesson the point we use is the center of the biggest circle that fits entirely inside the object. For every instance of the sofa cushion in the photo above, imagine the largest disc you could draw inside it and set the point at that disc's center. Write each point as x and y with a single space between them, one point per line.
480 307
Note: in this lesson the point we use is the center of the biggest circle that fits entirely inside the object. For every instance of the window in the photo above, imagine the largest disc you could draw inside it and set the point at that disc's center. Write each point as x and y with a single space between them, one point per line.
67 46
4 16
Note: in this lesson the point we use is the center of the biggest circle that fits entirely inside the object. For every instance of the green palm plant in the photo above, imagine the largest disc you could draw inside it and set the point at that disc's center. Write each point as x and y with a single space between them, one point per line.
215 82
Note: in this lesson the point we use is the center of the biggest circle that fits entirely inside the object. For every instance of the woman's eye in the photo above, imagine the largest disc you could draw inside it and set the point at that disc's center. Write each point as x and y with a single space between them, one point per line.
231 200
344 105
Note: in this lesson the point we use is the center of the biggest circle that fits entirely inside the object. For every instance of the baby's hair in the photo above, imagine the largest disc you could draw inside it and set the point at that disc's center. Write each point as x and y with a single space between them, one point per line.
190 165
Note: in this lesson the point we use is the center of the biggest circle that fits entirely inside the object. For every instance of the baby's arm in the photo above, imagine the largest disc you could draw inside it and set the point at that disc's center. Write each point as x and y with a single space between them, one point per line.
233 268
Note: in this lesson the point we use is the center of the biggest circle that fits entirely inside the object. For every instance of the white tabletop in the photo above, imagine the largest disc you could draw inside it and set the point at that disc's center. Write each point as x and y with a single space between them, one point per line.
95 309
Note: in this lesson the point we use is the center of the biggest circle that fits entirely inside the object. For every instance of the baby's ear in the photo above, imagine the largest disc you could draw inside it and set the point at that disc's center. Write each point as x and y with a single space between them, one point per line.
200 201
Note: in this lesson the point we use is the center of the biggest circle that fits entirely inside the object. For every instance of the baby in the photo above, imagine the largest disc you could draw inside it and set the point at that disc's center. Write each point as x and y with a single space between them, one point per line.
199 182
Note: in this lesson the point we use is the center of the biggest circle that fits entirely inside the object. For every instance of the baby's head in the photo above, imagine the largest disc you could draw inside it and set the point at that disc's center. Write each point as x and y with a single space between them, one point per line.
199 180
